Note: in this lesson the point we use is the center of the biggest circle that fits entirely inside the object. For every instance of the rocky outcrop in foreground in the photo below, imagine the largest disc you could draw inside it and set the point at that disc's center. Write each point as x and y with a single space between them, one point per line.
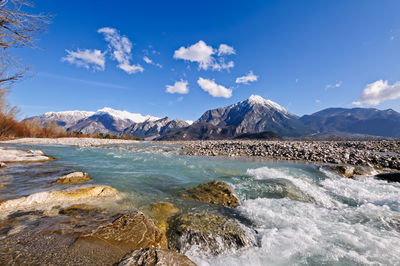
208 233
156 257
215 192
377 154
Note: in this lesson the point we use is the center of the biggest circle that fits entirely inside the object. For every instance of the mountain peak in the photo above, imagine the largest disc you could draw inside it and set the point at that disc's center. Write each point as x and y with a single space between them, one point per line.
137 118
256 99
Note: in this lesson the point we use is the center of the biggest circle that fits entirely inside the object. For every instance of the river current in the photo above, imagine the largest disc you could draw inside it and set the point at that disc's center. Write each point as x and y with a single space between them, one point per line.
303 214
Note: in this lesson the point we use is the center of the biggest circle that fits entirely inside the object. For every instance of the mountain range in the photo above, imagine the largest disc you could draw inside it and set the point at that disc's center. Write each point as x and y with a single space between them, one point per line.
255 117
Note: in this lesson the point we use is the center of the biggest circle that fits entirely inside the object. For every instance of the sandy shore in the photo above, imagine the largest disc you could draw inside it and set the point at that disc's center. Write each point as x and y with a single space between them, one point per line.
82 142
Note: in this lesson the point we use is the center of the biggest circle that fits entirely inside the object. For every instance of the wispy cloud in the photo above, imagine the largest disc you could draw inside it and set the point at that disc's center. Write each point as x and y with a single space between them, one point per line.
151 62
88 82
89 59
213 88
377 92
249 77
202 54
337 84
121 50
225 49
180 87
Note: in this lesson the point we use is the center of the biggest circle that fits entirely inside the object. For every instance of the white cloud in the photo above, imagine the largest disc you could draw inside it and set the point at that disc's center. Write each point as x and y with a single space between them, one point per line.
379 91
199 52
317 101
202 54
225 49
121 50
87 58
250 77
213 88
150 62
333 85
180 87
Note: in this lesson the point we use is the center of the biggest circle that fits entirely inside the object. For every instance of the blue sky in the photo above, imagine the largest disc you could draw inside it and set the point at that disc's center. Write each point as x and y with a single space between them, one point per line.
304 55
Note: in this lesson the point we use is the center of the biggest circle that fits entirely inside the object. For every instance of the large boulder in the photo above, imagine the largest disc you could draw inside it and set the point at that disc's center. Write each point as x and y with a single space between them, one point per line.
47 199
156 257
125 233
75 177
208 233
215 192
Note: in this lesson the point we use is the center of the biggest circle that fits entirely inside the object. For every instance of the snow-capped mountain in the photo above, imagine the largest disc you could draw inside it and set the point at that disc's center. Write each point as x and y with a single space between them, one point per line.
64 119
125 115
253 115
106 120
154 128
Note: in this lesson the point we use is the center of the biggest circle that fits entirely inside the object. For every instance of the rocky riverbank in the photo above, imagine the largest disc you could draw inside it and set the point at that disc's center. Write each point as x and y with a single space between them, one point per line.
81 142
377 154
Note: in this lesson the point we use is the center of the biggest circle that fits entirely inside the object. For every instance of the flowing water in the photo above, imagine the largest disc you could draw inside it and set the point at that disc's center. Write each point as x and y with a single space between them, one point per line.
303 214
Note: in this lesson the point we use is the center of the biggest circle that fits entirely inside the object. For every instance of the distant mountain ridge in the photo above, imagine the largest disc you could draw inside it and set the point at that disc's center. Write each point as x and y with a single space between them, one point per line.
255 117
367 121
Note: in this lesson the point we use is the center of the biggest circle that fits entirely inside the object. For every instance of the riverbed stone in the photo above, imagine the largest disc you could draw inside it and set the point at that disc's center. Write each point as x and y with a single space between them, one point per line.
215 192
208 233
156 257
74 177
49 199
126 232
2 165
345 170
160 213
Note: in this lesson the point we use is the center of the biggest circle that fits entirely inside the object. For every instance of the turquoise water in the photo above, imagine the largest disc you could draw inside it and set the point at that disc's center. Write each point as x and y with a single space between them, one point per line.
303 214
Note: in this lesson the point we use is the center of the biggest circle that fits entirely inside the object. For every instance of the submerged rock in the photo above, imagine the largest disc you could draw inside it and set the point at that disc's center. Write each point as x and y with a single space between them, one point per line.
390 177
161 212
208 233
48 199
345 170
125 233
155 256
75 177
36 152
215 192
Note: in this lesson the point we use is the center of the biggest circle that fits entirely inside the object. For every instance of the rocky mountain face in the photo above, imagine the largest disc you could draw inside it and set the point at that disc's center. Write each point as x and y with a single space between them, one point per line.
256 115
254 118
63 119
154 128
364 121
110 121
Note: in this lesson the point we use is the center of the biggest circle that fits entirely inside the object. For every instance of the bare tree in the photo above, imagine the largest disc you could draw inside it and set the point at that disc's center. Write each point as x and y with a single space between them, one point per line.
17 29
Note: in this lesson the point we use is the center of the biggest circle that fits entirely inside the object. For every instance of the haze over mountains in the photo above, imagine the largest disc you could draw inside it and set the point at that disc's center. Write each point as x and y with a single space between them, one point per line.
255 117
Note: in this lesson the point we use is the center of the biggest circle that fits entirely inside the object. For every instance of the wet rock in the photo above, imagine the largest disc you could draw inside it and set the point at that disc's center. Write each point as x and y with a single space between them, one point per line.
2 165
2 186
208 233
75 177
345 170
36 152
390 177
127 232
215 192
364 170
161 212
156 257
80 210
49 199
